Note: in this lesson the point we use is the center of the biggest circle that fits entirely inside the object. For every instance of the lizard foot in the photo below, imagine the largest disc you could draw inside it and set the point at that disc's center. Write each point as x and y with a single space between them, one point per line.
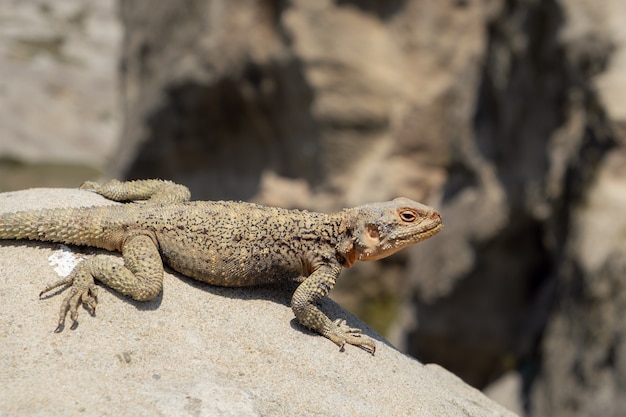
89 186
83 290
342 334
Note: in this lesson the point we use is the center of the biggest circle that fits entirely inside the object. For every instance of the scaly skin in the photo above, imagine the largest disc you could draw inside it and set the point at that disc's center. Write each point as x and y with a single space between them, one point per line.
224 243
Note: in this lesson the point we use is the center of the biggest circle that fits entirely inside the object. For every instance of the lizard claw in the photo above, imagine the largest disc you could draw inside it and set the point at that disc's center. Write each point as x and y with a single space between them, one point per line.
342 334
83 290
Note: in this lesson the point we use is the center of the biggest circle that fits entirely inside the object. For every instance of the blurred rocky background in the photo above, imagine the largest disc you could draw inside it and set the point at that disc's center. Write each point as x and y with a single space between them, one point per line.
60 114
507 115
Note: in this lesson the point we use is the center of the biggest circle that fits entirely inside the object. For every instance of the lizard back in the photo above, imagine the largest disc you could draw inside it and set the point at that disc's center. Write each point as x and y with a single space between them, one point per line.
239 244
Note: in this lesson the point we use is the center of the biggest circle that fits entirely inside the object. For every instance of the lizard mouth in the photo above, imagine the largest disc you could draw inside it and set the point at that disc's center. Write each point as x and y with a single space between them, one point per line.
423 235
375 248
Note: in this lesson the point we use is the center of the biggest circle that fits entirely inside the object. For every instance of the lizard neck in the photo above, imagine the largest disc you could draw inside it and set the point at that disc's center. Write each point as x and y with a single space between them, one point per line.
343 224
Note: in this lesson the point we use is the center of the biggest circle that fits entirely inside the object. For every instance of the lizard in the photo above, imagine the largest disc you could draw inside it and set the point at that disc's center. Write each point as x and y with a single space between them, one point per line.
224 243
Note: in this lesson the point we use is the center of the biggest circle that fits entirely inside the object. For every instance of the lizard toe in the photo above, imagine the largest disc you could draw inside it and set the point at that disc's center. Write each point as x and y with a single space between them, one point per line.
342 334
89 186
341 324
88 297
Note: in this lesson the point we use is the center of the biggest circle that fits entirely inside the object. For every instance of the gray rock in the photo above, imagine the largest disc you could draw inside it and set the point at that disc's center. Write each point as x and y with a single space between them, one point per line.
196 350
584 347
58 60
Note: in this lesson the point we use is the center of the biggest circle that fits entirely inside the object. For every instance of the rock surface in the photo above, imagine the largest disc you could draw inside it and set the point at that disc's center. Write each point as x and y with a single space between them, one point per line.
196 350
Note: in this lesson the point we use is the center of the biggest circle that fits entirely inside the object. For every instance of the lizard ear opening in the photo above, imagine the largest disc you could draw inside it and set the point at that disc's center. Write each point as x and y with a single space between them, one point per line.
373 232
371 238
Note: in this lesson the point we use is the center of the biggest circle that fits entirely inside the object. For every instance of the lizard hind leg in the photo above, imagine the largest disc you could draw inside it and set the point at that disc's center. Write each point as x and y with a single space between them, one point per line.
155 191
139 275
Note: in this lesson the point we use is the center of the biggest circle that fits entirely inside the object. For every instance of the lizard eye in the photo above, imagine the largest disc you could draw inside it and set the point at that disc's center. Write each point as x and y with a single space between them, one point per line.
408 216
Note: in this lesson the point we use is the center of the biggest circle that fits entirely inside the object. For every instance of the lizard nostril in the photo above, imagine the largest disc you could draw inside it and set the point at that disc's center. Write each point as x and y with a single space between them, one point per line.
435 216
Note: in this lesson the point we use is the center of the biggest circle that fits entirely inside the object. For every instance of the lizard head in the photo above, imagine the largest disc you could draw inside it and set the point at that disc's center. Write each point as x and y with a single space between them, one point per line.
381 229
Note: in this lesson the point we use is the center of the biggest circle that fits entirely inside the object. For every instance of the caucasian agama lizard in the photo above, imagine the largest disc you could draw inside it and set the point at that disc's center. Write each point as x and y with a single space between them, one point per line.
226 243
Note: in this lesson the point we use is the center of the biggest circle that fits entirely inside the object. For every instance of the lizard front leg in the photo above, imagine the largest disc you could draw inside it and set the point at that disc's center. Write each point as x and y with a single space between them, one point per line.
140 276
310 291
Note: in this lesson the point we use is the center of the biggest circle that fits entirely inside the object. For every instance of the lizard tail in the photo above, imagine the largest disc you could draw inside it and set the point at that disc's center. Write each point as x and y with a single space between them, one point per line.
66 225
